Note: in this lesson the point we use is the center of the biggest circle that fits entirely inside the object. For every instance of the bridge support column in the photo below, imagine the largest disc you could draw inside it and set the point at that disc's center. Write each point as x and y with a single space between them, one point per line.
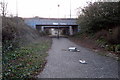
42 28
70 30
78 28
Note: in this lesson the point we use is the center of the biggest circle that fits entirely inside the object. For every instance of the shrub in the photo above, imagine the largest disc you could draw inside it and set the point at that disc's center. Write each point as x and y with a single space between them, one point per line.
9 35
117 48
101 34
114 37
16 33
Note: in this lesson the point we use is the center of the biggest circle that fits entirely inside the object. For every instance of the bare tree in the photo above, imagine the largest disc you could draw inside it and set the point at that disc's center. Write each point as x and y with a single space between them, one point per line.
3 9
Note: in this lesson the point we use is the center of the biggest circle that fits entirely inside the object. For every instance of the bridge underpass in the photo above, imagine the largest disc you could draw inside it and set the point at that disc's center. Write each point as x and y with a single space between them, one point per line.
58 29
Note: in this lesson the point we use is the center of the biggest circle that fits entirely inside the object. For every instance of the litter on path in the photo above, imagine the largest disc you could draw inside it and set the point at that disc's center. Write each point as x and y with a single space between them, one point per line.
73 49
82 61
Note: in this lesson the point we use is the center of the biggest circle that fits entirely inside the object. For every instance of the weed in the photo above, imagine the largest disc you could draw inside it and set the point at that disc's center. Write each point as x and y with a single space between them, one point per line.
25 61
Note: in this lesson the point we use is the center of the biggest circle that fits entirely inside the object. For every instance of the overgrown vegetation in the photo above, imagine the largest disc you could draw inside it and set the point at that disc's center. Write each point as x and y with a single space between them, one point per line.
16 33
102 21
24 62
99 15
23 49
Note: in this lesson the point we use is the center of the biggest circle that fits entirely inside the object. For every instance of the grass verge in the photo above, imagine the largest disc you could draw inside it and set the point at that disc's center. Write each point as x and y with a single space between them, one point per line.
26 61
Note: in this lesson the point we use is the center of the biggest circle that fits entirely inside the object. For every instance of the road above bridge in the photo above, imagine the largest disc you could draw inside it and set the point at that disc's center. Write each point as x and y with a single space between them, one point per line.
65 64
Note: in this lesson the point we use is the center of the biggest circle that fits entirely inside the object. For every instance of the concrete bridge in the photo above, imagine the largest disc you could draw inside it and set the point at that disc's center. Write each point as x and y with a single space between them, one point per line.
61 25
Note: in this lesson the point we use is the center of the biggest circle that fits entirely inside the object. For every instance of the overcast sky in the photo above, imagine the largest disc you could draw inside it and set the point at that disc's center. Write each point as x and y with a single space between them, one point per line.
45 8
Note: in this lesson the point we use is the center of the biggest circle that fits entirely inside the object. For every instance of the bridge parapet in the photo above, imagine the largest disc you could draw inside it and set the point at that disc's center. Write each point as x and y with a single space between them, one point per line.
50 21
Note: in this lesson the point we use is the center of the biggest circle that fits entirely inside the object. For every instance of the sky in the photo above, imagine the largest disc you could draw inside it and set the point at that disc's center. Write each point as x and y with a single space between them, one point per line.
45 8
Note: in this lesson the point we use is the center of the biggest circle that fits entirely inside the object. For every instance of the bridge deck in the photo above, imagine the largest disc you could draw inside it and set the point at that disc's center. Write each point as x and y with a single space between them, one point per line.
51 22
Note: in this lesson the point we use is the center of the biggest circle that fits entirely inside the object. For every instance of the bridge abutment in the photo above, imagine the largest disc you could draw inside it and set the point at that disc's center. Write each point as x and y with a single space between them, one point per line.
70 30
42 28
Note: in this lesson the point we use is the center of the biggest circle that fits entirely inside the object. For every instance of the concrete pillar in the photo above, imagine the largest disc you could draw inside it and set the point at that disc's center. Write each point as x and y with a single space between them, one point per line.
42 28
70 30
78 28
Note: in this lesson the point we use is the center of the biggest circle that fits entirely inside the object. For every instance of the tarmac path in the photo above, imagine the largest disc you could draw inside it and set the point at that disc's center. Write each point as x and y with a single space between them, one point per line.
62 63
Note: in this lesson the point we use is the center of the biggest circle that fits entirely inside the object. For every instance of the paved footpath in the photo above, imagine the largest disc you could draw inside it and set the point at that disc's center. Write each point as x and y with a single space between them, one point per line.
65 64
